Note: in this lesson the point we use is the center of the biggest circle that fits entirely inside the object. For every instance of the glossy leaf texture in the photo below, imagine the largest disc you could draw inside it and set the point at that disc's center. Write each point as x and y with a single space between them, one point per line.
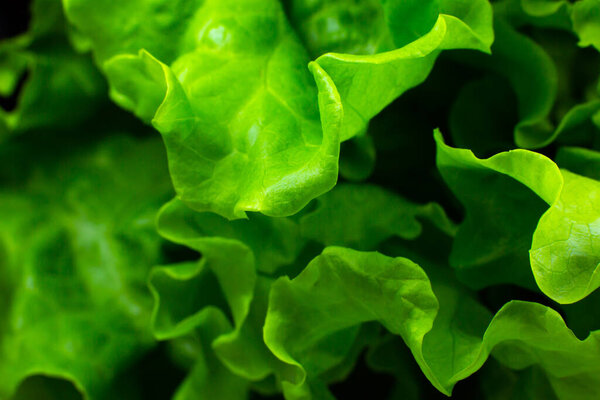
226 282
269 115
560 238
464 333
453 342
297 230
234 277
402 55
345 288
449 344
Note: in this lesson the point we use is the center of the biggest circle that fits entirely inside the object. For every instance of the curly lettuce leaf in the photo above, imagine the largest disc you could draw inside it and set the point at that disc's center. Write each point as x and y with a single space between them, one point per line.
582 17
209 378
345 288
269 118
561 239
501 211
464 332
350 215
545 74
533 78
275 242
361 27
458 25
586 22
185 292
526 334
564 252
313 318
78 241
233 96
367 28
452 345
226 278
461 321
60 87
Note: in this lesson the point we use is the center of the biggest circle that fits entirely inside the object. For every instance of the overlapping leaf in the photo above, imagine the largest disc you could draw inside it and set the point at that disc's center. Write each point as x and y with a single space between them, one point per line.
347 288
46 76
265 118
536 71
350 215
75 304
505 197
261 304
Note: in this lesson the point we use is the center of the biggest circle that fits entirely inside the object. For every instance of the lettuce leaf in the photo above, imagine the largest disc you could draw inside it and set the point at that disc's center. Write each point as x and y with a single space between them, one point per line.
429 263
347 216
46 76
268 117
345 288
561 241
73 270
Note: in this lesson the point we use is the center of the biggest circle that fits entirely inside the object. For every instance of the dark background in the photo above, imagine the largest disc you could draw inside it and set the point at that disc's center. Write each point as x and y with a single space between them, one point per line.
14 17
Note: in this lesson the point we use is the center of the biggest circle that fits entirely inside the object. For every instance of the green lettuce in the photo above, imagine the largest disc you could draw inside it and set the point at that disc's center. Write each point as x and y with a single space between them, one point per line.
74 269
300 199
47 75
275 121
561 241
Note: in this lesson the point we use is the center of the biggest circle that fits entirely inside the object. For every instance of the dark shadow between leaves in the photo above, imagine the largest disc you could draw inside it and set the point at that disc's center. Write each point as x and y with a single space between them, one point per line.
41 387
